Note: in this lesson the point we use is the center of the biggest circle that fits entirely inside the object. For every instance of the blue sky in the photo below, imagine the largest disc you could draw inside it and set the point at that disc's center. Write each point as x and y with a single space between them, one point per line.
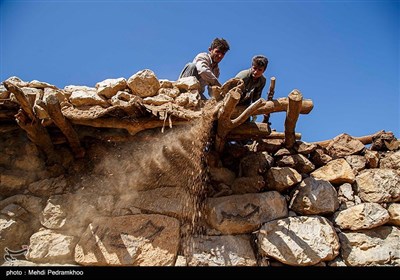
343 55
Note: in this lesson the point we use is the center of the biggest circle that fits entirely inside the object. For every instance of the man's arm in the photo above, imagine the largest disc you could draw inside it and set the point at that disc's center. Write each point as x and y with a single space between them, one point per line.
258 91
203 65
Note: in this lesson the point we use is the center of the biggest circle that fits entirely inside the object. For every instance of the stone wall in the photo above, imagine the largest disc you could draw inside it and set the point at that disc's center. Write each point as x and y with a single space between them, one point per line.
262 205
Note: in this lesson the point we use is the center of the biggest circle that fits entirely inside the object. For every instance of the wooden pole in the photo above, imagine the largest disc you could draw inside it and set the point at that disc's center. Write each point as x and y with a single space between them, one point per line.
256 130
53 108
363 139
292 114
224 118
277 105
132 126
21 98
270 96
28 121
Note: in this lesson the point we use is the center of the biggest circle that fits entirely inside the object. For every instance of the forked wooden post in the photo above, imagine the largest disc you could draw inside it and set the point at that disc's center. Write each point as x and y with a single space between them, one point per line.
28 121
224 121
270 96
292 114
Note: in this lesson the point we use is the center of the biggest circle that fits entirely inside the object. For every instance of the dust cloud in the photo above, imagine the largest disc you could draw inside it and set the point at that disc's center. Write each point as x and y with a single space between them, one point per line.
172 158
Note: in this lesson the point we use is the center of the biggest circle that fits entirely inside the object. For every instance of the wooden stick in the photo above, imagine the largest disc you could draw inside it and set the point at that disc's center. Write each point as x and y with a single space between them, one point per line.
277 105
261 106
28 121
281 135
249 130
270 97
247 113
53 108
224 118
271 90
256 131
363 139
37 134
132 126
292 115
21 98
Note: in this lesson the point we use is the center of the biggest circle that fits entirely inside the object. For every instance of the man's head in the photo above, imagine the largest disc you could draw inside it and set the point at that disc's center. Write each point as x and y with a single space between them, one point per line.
218 49
258 65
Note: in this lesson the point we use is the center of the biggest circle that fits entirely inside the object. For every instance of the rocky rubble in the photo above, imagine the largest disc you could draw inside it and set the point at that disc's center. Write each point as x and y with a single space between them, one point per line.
130 203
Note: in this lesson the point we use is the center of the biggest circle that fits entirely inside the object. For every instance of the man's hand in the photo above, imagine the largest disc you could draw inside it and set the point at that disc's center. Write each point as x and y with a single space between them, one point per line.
248 95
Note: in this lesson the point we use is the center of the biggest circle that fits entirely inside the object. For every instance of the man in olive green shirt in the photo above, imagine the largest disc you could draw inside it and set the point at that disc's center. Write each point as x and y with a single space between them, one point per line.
254 80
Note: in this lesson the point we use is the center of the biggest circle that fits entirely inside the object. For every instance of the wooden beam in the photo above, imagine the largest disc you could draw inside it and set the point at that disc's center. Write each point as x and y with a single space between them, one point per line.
363 139
292 115
281 135
231 116
277 105
270 97
28 121
53 108
21 98
250 130
132 126
224 118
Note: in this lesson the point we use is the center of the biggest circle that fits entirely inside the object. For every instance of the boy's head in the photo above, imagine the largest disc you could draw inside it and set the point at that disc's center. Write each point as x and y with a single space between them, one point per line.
260 61
259 64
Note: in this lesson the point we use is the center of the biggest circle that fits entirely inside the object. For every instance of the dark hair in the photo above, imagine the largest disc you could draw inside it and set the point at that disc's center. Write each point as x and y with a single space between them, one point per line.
260 61
221 44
